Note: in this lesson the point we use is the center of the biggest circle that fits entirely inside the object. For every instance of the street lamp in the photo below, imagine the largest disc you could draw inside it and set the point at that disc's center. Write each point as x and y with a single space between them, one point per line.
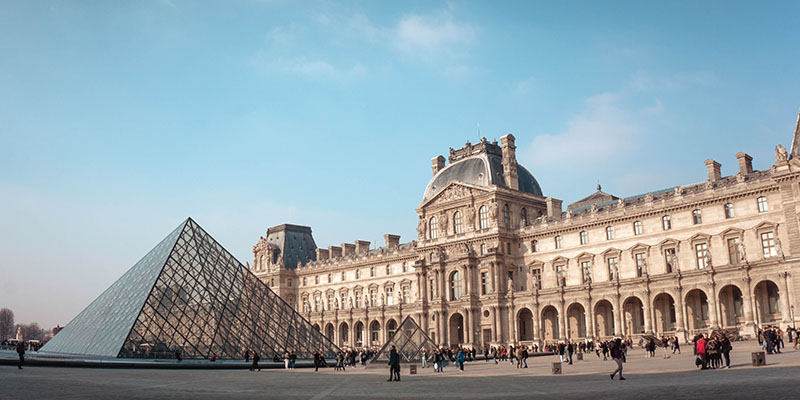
791 308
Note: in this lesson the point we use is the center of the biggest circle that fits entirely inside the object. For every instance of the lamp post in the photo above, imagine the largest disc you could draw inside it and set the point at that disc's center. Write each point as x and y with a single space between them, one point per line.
791 308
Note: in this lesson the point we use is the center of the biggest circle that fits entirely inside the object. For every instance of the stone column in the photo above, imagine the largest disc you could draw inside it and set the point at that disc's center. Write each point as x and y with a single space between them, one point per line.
679 326
384 330
512 322
713 305
619 329
537 335
562 322
749 311
494 277
436 327
494 323
786 312
467 326
589 317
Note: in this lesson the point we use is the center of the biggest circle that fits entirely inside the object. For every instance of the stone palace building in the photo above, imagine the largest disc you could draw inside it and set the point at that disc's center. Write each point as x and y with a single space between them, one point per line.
498 262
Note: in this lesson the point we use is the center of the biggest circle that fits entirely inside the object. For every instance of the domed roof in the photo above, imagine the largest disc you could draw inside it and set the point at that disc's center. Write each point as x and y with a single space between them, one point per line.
483 169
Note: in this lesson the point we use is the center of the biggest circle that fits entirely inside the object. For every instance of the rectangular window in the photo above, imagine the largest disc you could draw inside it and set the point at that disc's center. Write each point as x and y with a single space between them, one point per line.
613 264
330 278
388 270
484 282
405 267
669 258
330 301
358 274
373 298
483 248
666 222
586 268
733 251
343 276
508 248
534 246
343 300
768 244
305 281
358 299
433 289
584 237
406 294
558 242
316 280
289 282
637 228
537 277
641 264
763 206
697 217
700 250
609 233
389 296
371 272
561 273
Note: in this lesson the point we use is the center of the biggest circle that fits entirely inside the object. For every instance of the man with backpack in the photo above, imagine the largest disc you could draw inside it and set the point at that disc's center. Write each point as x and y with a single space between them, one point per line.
618 355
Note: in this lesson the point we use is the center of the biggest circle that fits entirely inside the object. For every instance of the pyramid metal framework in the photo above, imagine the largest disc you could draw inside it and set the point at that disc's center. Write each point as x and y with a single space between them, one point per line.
191 295
410 340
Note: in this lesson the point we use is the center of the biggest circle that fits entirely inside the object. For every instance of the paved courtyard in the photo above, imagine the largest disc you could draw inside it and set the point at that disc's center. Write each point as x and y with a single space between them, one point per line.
651 378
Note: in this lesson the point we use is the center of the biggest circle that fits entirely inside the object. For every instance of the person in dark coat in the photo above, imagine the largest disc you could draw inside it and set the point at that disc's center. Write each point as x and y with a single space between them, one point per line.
247 356
178 355
256 359
394 365
725 349
21 352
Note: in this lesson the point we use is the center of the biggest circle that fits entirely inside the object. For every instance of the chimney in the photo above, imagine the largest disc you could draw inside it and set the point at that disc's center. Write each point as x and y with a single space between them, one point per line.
392 241
348 249
713 168
437 164
322 254
745 163
334 251
509 161
362 247
553 207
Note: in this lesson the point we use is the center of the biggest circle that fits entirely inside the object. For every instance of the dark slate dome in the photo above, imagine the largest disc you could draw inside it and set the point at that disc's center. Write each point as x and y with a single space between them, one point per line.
480 170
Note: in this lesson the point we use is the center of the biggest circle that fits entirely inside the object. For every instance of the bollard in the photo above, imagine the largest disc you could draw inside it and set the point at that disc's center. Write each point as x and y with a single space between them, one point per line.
556 368
412 369
759 358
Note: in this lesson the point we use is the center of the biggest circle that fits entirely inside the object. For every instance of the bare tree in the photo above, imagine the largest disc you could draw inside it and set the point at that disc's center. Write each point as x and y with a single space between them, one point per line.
31 331
6 324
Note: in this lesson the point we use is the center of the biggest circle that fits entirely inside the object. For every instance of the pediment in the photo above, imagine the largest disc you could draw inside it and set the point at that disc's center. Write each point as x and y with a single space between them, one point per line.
669 242
765 225
639 247
732 232
700 237
453 192
611 251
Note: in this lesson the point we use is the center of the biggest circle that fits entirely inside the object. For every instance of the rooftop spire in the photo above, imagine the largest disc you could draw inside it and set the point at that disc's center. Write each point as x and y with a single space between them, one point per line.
796 140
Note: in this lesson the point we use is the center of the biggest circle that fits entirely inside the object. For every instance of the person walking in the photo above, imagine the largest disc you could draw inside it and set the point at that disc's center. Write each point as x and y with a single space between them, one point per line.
21 352
256 359
394 365
618 355
676 345
700 349
570 350
725 349
461 358
424 357
178 355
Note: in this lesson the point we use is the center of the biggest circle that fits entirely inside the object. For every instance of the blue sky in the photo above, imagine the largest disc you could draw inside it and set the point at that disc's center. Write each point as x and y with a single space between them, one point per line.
120 119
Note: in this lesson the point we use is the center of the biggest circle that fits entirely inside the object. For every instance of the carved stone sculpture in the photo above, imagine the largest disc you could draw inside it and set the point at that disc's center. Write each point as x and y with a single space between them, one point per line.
421 228
781 154
778 246
740 250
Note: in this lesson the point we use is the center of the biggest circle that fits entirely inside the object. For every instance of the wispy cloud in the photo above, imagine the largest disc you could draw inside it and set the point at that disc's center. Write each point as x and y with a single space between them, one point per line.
312 68
433 35
603 130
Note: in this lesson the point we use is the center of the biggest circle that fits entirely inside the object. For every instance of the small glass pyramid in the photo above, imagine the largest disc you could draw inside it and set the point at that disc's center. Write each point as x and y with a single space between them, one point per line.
191 295
410 340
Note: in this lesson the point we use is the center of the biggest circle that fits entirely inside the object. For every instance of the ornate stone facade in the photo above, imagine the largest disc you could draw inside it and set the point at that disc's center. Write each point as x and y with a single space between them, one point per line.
498 262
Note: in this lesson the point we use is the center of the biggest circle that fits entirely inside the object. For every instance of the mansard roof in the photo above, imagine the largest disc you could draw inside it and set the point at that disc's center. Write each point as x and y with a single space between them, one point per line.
595 198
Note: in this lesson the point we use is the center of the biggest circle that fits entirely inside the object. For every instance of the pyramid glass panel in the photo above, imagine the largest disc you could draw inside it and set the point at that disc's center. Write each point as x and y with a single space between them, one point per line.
189 295
410 340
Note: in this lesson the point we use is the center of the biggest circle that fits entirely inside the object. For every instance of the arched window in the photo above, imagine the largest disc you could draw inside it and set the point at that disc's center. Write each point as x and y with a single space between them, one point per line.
455 285
763 206
584 237
483 217
637 228
458 227
729 211
433 231
697 217
506 216
523 216
375 331
666 222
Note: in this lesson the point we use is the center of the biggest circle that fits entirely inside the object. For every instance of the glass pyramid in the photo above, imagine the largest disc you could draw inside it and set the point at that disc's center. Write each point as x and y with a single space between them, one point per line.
192 295
410 340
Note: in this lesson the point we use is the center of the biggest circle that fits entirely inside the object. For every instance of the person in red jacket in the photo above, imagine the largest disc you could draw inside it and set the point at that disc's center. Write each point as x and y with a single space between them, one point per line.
701 352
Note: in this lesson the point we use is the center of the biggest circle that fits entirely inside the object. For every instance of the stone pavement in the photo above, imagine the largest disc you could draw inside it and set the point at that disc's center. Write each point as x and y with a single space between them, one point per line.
655 378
